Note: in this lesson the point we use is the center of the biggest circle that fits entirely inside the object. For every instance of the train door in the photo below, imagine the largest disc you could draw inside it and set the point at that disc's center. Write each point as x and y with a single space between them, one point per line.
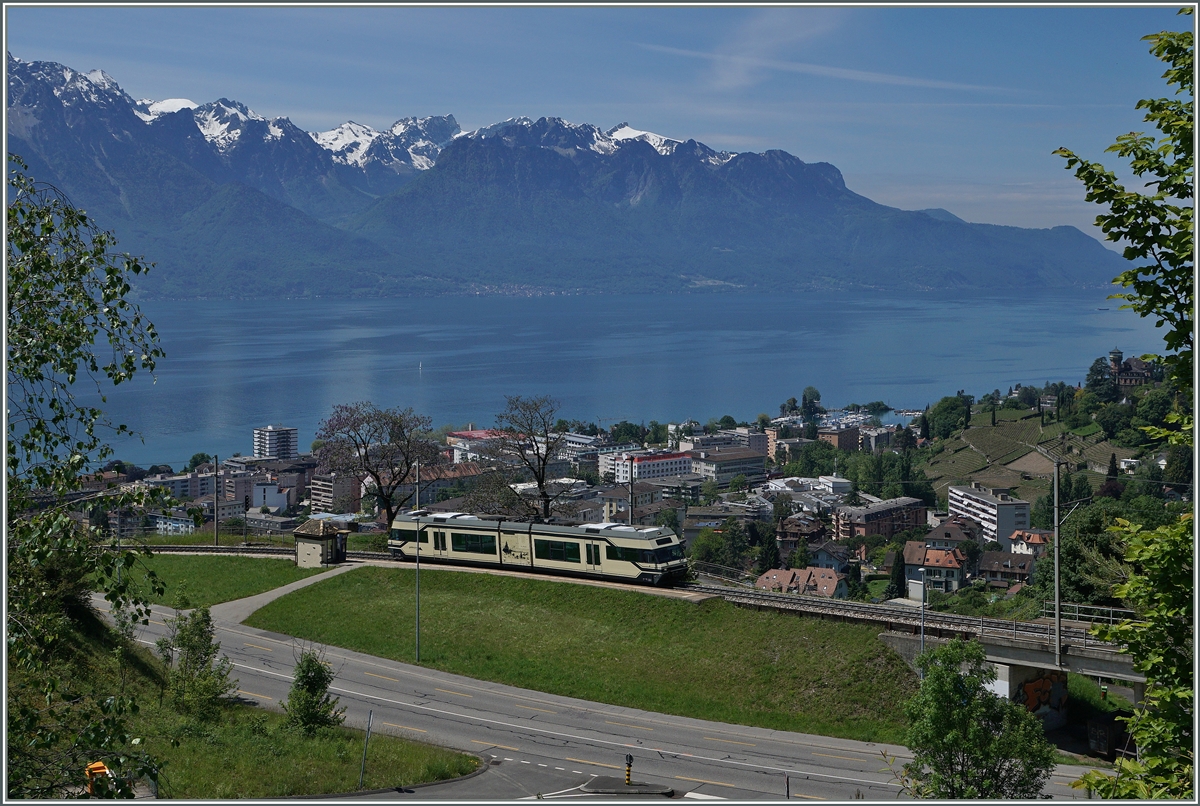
439 543
593 556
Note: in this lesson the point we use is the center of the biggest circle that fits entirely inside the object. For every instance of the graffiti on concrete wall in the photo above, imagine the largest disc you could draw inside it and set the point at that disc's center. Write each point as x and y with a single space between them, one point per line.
1044 694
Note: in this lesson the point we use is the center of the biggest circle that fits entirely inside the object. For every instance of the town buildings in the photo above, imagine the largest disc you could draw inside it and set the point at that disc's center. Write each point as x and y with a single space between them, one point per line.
276 442
993 508
884 518
722 464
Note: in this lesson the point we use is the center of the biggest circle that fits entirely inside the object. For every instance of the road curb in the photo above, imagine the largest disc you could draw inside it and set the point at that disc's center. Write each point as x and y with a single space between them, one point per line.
399 790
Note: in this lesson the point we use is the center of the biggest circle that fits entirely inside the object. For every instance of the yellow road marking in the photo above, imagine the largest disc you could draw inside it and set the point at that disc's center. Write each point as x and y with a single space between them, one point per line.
456 693
529 708
810 797
159 623
256 646
846 758
252 694
493 744
626 725
404 727
728 741
594 763
382 677
702 781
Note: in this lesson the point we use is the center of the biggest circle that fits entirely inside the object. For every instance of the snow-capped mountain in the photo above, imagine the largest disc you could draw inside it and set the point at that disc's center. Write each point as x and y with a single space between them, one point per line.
229 201
415 142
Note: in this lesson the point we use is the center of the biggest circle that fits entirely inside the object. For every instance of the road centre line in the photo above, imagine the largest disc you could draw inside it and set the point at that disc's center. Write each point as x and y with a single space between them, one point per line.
404 727
702 781
256 646
232 628
382 677
593 763
531 727
493 744
844 758
448 691
415 673
625 725
728 741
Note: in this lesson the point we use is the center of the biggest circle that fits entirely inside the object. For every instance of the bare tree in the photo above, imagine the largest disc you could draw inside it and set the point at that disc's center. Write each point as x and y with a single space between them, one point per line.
381 444
526 435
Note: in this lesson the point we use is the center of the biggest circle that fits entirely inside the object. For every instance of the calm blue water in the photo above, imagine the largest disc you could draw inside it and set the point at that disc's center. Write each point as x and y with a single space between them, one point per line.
231 366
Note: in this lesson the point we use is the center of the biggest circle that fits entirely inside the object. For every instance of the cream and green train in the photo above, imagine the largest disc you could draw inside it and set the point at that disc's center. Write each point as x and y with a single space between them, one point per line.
651 555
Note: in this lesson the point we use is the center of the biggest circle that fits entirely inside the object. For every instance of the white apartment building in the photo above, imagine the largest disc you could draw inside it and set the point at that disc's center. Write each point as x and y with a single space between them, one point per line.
608 458
184 485
997 511
276 441
652 465
326 489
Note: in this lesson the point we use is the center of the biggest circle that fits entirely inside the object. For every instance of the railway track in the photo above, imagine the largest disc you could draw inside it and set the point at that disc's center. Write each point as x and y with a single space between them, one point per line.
903 618
906 619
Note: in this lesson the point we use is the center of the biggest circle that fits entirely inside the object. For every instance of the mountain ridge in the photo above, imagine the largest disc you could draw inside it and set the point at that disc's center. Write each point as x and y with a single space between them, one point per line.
541 205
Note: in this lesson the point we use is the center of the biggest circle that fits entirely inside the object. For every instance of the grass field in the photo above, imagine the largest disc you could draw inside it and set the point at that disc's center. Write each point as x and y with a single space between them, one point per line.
250 753
710 660
212 579
246 752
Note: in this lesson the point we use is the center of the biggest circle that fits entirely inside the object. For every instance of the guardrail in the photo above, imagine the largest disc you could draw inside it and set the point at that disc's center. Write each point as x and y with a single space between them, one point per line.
1092 614
905 616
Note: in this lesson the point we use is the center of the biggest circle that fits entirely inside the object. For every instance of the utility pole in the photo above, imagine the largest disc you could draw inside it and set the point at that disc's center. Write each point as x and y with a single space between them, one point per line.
1057 574
216 501
417 501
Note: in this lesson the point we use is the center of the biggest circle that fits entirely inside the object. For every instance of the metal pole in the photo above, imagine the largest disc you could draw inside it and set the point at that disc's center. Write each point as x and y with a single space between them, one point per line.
417 492
1057 574
922 573
216 505
363 769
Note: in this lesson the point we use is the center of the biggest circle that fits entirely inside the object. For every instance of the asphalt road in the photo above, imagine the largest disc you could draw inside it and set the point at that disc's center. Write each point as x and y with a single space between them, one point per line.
541 744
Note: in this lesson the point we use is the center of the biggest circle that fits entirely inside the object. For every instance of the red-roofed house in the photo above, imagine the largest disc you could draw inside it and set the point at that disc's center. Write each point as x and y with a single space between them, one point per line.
1030 541
941 569
811 581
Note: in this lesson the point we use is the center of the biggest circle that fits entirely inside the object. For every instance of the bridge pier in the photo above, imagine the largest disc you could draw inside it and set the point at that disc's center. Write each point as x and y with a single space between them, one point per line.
1042 691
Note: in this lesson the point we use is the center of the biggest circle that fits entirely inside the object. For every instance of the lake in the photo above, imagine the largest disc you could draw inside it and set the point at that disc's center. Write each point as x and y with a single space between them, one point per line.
235 365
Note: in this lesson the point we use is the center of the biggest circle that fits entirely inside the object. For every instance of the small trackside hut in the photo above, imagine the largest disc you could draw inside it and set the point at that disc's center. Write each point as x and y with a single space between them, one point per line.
647 555
318 543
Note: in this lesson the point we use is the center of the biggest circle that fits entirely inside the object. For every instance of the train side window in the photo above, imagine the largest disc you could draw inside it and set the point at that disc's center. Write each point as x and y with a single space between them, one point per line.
473 544
558 550
423 537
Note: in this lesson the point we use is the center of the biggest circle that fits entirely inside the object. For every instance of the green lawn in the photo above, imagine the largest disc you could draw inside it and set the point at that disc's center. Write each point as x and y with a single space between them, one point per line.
246 752
710 660
249 753
212 579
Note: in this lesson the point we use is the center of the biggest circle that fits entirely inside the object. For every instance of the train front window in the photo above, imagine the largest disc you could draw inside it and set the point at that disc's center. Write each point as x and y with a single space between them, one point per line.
667 554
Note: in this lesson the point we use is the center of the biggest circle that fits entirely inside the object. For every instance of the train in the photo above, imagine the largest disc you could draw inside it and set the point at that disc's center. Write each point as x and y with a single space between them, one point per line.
649 555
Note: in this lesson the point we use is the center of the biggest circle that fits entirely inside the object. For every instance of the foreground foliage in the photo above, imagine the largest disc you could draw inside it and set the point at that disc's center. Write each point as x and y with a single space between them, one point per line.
966 742
65 305
1162 643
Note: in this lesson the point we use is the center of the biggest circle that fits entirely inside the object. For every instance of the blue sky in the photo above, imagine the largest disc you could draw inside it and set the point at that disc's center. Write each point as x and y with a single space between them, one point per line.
919 107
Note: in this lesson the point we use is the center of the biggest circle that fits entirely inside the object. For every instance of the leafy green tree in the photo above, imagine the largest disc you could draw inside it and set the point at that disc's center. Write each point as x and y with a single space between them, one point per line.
727 421
626 432
781 508
709 491
1162 644
768 556
197 460
67 313
668 518
708 547
1100 381
309 706
763 421
1111 474
788 407
737 483
1156 226
948 415
966 742
198 679
897 586
801 557
1179 467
